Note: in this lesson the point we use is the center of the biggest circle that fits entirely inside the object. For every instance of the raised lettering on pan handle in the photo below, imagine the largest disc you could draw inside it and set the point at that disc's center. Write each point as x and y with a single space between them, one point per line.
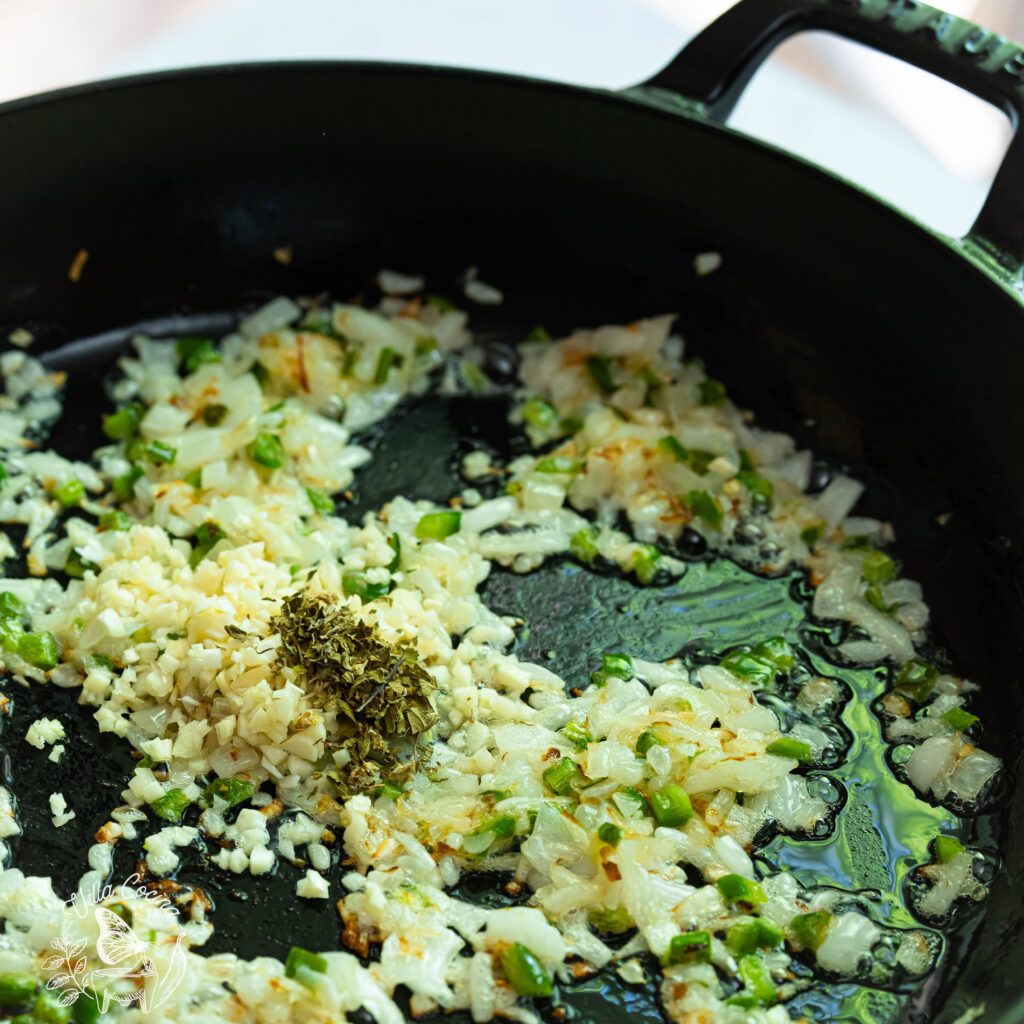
717 65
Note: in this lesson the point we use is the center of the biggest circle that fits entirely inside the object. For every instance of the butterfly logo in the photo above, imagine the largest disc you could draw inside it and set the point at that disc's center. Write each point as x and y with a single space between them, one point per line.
126 958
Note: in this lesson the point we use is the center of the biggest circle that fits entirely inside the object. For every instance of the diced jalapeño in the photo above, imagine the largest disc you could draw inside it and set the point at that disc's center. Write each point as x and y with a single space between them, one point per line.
737 889
689 948
917 678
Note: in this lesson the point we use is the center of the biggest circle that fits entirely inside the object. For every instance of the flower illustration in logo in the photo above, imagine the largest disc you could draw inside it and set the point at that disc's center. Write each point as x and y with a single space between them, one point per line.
127 959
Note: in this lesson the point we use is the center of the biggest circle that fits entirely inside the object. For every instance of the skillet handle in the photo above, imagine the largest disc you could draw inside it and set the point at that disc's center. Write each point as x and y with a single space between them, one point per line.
716 67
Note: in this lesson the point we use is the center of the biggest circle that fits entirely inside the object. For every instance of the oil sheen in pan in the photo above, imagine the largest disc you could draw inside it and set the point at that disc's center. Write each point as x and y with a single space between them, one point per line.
881 830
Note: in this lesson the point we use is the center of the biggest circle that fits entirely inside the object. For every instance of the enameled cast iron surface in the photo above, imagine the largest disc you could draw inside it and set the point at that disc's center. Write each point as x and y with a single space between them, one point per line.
834 317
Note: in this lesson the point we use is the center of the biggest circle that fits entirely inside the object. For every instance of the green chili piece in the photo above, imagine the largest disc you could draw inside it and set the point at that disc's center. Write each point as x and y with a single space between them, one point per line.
750 936
473 377
267 450
425 344
610 833
670 446
160 454
440 303
916 678
115 519
859 542
48 1009
648 738
671 806
322 503
811 535
645 563
776 651
559 464
11 630
392 790
651 378
171 806
356 583
611 920
618 665
124 485
809 930
784 746
878 567
86 1009
300 961
761 490
503 826
561 775
959 719
583 544
135 449
385 361
946 848
348 365
525 973
748 666
630 802
438 525
737 889
538 335
16 988
70 493
699 460
712 392
746 460
11 633
874 597
195 351
705 505
539 414
758 979
194 478
577 735
600 369
214 413
76 566
228 791
39 649
395 543
743 1002
206 538
689 948
123 424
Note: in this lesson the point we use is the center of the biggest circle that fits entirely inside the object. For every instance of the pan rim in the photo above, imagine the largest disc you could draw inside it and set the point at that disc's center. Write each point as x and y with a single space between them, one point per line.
968 252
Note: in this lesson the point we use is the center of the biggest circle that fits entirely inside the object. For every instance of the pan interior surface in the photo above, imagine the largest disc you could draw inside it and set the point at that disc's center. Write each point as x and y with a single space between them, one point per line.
832 317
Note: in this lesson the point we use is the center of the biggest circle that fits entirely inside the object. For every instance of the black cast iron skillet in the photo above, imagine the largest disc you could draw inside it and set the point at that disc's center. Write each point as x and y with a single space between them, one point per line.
883 345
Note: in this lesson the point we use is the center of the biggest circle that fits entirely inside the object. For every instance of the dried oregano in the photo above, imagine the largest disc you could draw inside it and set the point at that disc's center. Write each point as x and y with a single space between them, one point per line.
378 690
